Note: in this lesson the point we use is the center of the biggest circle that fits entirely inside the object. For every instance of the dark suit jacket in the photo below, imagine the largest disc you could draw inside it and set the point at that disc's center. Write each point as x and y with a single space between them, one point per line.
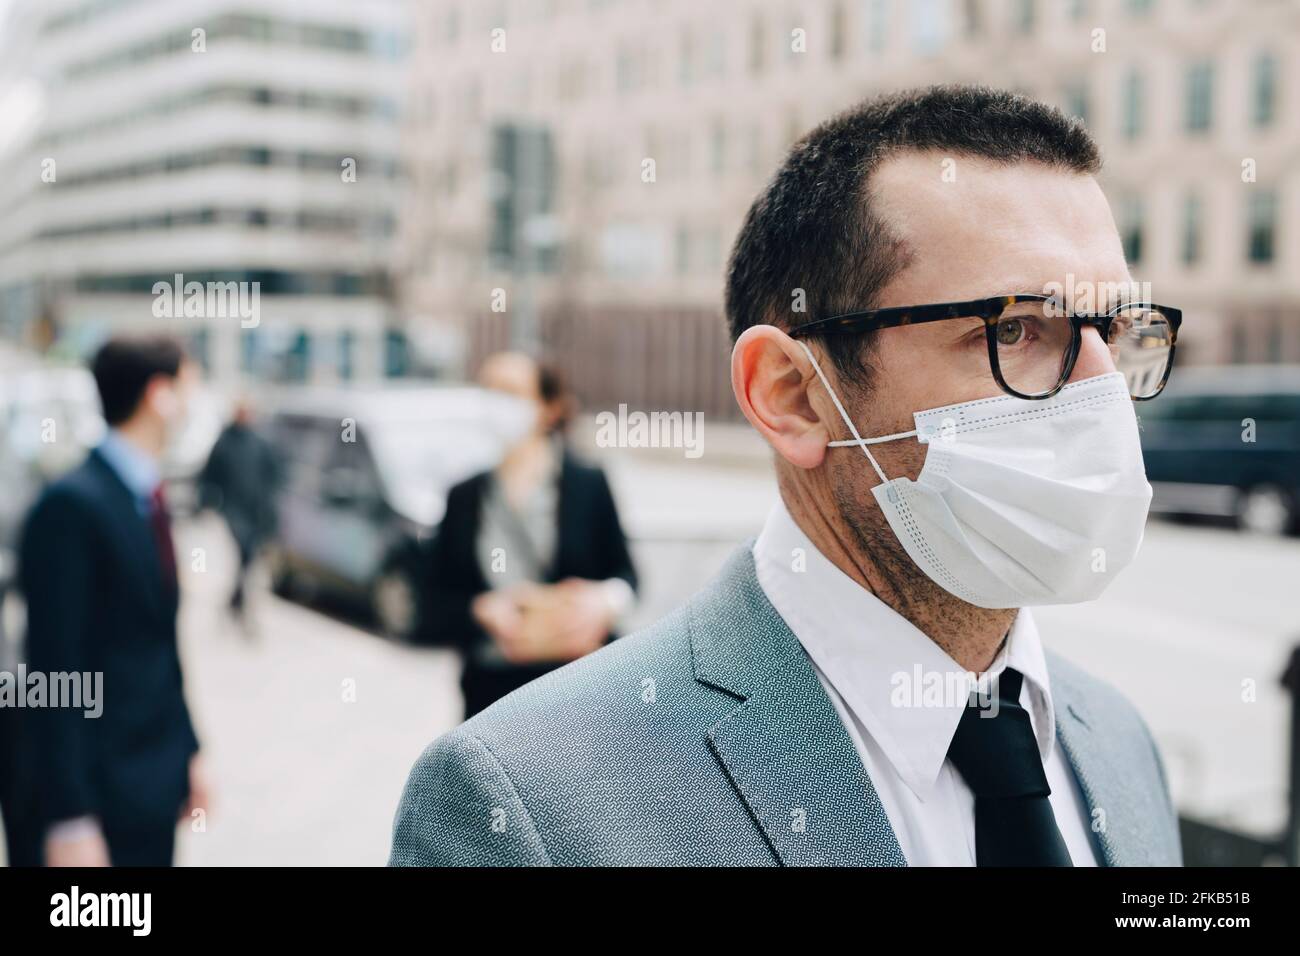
589 544
240 479
97 601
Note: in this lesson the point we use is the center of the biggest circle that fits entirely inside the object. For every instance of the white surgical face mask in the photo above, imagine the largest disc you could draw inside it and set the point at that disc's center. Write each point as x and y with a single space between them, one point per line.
1020 502
508 419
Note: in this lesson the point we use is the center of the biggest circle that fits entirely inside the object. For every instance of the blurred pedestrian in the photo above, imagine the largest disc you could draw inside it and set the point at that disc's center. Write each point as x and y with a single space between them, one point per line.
98 570
22 843
530 566
241 480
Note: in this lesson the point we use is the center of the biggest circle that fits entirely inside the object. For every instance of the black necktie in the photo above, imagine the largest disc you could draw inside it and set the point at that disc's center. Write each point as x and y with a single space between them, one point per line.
998 758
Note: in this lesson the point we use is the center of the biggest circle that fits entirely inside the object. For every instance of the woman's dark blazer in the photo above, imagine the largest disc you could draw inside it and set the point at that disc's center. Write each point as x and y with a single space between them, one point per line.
589 544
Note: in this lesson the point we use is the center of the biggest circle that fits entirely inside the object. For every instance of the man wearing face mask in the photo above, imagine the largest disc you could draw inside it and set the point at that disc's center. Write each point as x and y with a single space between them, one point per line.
954 442
99 574
530 567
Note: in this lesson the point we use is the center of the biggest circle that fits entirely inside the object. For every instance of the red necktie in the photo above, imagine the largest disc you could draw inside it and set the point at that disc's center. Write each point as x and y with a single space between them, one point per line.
161 523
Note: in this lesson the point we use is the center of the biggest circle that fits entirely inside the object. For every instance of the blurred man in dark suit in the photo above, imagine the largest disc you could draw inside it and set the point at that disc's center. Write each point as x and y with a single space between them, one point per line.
22 848
99 573
240 480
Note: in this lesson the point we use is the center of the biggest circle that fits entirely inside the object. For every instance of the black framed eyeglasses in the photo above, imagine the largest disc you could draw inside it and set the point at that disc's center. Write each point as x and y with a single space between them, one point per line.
1033 342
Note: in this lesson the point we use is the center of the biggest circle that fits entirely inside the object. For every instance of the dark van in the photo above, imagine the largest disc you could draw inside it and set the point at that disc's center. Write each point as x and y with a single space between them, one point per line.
367 472
1225 441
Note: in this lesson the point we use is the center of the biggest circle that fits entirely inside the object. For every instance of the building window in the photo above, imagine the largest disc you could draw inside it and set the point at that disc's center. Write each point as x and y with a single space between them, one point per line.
1240 343
347 354
1262 226
1077 9
571 81
1075 100
650 139
837 27
1193 214
250 352
1134 105
1025 14
1200 97
716 55
718 147
710 251
929 25
1276 340
875 17
1264 90
495 14
451 25
681 251
757 46
1131 229
972 19
686 59
624 71
1139 7
396 354
794 19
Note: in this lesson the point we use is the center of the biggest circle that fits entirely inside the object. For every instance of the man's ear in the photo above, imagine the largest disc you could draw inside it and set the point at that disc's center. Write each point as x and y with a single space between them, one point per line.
770 375
160 394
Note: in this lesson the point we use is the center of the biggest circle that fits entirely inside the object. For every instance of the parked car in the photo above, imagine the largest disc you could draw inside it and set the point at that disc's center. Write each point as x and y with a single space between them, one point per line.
49 419
1225 441
367 472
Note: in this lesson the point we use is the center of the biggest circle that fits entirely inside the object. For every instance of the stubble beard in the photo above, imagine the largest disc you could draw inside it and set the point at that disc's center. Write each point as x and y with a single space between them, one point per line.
942 616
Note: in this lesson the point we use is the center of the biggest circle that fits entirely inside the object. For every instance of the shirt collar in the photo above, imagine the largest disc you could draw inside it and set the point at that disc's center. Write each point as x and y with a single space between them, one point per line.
138 471
891 675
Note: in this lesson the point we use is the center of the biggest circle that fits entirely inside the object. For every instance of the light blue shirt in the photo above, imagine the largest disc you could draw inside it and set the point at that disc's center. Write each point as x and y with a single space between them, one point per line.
138 471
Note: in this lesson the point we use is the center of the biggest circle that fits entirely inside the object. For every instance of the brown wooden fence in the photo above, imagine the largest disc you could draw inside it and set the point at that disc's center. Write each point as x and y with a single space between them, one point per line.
651 359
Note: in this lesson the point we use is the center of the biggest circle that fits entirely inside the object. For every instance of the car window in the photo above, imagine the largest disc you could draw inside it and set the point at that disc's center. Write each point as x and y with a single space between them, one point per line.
1270 408
305 444
1183 408
1234 408
350 454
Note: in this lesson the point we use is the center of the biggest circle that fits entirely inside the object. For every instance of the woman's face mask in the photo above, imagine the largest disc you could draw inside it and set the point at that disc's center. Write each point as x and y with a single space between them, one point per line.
510 419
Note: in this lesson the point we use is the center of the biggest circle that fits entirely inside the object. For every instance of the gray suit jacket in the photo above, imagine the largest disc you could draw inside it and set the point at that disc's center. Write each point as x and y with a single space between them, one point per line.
707 739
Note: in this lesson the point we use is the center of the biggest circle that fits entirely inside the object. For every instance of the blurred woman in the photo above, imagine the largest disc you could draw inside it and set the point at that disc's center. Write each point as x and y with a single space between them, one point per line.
530 567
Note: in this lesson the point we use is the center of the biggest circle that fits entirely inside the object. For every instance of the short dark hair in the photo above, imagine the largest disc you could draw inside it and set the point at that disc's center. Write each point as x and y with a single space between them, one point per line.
554 390
812 227
124 366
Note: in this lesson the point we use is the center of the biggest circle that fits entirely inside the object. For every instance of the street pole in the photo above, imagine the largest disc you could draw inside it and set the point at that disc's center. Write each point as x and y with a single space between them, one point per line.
523 325
1291 841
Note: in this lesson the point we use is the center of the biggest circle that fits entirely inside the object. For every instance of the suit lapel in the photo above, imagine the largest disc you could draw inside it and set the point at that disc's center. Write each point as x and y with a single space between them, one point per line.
1105 788
136 539
791 760
784 746
789 756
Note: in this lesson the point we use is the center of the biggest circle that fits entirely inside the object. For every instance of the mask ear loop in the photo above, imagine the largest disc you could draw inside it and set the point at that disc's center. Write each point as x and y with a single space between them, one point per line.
857 439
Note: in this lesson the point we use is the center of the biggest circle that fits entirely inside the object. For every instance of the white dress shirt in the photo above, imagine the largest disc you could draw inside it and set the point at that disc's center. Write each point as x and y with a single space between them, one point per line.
882 674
